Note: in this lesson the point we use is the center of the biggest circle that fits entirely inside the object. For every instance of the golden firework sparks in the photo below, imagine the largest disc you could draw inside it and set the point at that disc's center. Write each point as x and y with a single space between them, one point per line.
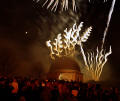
64 45
95 62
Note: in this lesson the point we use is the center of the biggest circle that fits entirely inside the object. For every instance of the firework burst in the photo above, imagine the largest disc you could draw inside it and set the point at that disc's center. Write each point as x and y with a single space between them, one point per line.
64 45
95 62
53 4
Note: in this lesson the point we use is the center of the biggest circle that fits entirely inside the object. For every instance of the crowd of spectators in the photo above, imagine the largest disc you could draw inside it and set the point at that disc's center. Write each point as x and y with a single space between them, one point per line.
19 89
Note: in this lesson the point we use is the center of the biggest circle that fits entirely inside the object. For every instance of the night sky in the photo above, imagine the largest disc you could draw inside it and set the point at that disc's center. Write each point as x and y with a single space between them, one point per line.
25 26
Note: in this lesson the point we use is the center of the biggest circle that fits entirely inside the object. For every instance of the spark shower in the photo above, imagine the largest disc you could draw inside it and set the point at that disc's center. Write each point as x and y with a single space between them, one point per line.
53 4
94 61
65 46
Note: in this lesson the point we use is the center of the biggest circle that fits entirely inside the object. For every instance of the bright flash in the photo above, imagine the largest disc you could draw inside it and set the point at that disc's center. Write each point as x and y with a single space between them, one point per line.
64 45
53 4
96 61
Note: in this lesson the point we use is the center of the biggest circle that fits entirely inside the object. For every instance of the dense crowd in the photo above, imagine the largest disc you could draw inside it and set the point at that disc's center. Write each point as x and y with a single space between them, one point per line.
19 89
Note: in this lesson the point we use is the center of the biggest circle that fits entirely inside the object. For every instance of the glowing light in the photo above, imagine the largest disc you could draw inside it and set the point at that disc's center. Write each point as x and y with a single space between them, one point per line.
53 4
95 62
66 76
58 45
108 22
48 43
26 33
65 45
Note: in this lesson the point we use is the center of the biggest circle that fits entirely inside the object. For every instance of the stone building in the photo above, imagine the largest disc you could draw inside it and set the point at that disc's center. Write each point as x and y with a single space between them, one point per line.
65 69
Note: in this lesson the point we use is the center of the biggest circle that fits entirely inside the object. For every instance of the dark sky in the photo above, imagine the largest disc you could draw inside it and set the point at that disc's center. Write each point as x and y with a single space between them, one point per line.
29 51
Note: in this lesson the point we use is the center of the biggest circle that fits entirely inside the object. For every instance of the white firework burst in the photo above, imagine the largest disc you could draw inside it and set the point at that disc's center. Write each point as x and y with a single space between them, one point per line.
53 4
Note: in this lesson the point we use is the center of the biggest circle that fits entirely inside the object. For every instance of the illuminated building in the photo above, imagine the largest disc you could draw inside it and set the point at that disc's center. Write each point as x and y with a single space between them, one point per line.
65 69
